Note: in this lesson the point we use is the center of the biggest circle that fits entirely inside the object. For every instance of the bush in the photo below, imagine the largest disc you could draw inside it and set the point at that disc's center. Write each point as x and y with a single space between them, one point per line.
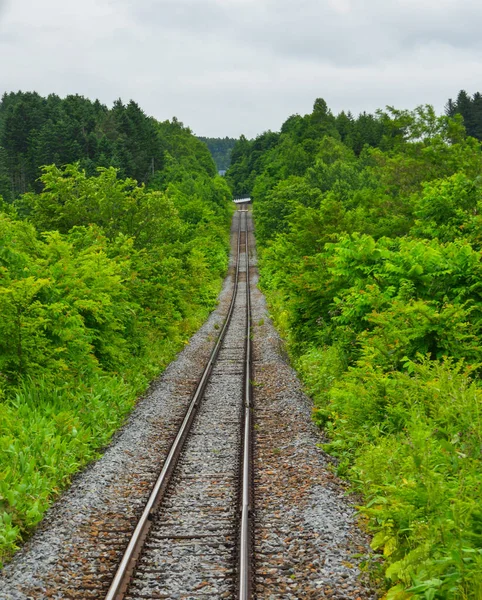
413 441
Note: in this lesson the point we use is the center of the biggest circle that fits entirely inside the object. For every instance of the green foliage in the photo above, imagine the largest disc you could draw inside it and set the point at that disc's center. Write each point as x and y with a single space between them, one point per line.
70 198
37 131
247 161
470 109
411 441
102 281
301 142
370 258
46 434
446 207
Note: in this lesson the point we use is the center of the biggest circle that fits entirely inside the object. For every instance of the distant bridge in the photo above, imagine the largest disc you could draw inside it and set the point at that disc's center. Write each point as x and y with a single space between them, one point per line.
241 200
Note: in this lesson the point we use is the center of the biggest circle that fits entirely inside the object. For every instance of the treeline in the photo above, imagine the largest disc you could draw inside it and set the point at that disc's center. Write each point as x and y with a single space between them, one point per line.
302 132
102 281
220 149
300 136
371 260
471 110
37 131
355 132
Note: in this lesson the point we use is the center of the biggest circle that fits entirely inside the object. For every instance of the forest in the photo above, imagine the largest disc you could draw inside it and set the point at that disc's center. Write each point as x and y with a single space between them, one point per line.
220 149
369 237
114 237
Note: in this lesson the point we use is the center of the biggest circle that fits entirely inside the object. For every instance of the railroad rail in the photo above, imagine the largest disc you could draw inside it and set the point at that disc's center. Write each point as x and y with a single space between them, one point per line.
198 515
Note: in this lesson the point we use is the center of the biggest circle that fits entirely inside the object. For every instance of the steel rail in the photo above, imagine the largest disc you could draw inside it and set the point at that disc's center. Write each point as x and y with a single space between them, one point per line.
245 542
119 585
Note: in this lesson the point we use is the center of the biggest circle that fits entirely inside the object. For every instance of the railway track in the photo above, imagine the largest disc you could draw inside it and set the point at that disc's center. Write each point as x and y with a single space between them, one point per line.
193 539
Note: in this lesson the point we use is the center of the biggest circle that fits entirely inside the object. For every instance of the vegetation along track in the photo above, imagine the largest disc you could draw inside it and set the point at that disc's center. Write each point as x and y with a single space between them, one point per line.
193 537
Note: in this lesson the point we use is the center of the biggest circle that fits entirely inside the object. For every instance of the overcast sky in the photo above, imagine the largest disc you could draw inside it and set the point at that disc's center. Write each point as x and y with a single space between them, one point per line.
226 67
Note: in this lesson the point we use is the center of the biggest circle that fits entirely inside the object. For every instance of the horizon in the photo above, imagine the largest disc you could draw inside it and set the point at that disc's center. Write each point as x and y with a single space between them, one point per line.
222 136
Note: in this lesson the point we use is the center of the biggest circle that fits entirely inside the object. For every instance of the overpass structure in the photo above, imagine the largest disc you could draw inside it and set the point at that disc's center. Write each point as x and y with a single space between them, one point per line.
241 200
